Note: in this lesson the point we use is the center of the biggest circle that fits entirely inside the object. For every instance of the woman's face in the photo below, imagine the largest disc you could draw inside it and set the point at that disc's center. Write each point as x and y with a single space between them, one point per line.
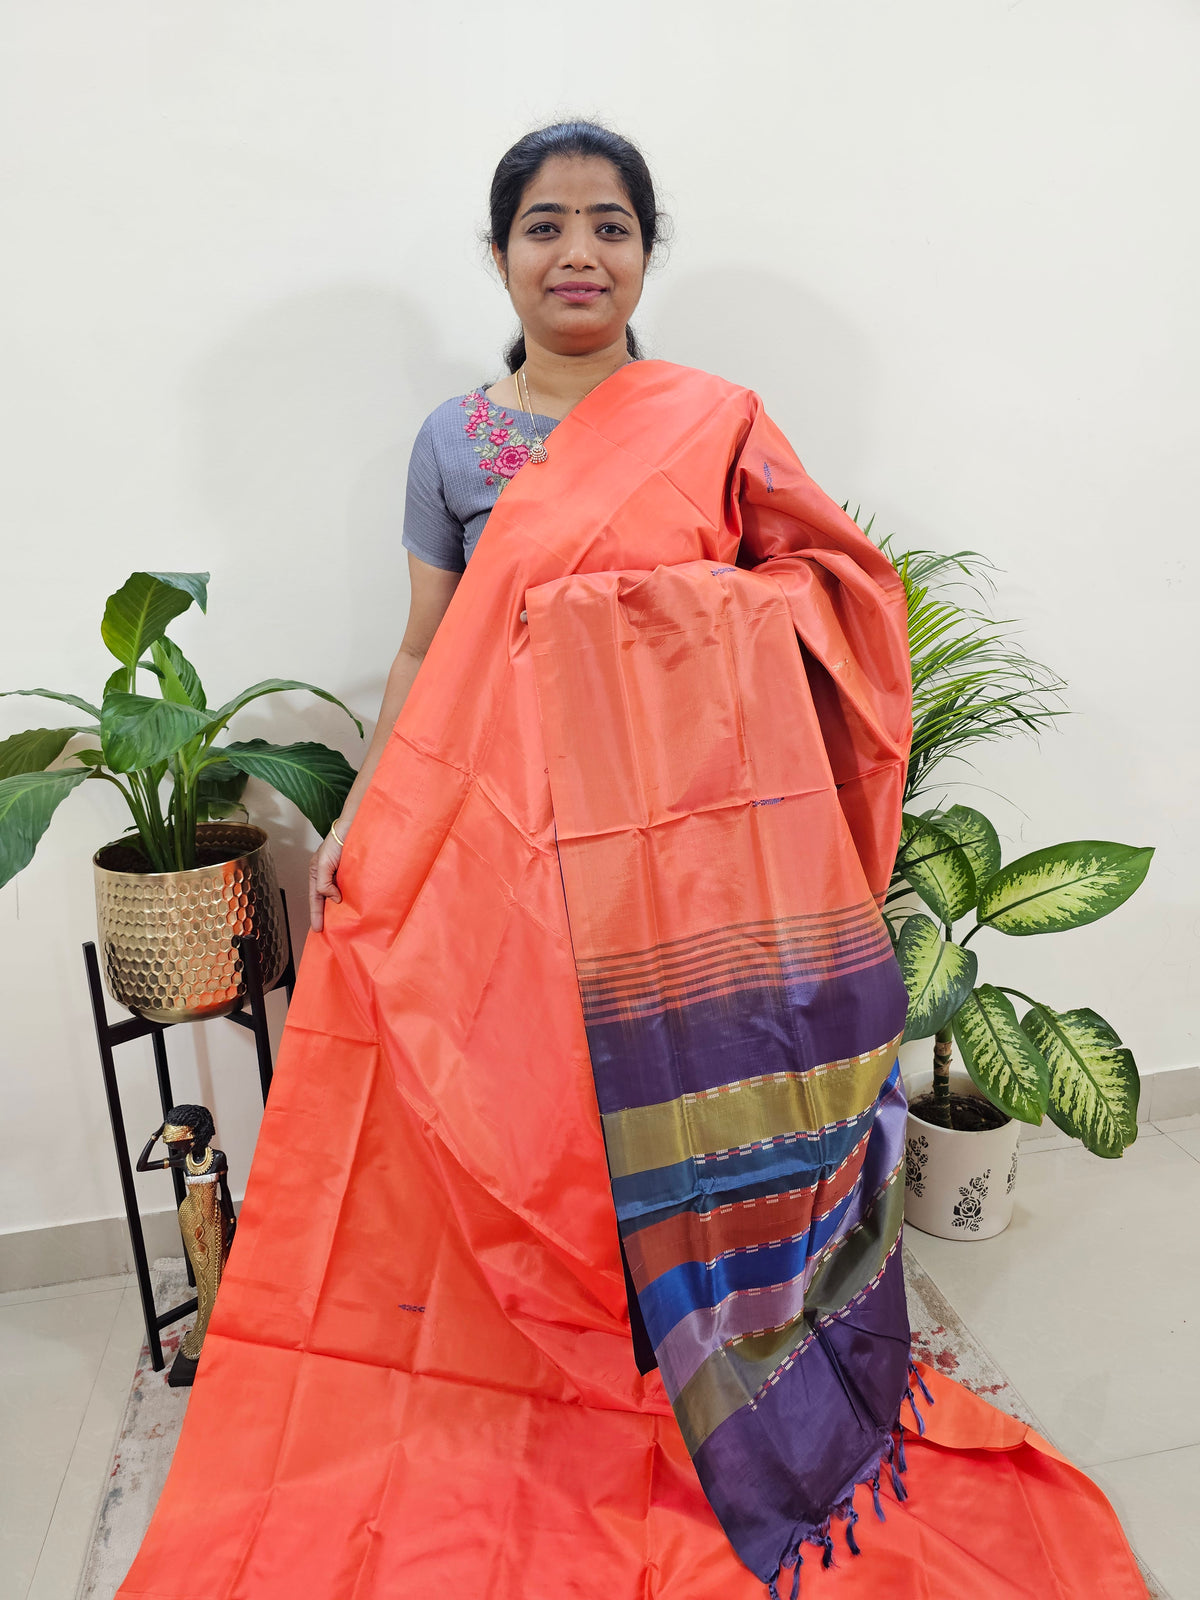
575 261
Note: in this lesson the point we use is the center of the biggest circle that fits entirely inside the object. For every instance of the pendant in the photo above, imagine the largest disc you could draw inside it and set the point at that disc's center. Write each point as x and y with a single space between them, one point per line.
537 453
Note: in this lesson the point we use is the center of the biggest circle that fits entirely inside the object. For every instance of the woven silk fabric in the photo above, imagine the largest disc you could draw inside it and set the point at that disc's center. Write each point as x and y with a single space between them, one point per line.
608 967
742 1002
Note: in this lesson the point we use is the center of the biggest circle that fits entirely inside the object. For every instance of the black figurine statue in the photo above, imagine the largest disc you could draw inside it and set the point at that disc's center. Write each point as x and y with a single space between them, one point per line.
206 1217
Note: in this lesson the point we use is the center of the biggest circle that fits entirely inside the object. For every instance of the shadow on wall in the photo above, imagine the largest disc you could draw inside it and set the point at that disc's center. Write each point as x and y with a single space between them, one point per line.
299 426
768 332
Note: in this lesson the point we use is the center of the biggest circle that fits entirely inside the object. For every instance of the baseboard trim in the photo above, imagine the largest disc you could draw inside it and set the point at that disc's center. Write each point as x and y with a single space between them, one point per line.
68 1251
33 1258
1171 1092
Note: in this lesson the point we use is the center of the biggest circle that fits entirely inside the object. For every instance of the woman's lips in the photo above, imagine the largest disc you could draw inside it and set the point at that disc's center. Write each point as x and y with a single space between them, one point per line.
580 294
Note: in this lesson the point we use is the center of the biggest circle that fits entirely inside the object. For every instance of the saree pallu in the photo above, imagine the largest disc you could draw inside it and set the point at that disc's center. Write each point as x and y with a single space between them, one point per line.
601 1040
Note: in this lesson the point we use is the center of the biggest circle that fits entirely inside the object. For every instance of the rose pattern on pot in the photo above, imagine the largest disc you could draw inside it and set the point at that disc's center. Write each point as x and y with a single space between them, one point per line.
968 1209
1012 1174
915 1159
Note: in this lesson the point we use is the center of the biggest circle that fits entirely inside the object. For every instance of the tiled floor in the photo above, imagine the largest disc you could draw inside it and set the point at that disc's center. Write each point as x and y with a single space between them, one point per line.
67 1356
1090 1302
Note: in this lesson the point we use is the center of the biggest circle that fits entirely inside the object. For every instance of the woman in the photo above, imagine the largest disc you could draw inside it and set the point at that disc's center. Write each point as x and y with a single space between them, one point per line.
569 1263
573 226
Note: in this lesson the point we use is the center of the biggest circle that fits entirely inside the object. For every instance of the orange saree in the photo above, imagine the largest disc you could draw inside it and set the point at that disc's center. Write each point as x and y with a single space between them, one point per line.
601 1043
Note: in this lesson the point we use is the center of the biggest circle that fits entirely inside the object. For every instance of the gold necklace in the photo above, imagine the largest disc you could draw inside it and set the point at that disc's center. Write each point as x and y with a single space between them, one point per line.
537 452
199 1166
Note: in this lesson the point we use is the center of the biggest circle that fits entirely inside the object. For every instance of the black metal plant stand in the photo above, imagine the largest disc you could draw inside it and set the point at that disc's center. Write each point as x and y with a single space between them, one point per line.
250 1013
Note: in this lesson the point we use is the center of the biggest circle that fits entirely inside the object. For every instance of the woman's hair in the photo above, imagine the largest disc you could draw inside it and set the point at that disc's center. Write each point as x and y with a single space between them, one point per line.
520 165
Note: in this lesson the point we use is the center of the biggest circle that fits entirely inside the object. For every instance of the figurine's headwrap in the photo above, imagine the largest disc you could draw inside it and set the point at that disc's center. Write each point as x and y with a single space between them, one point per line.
189 1122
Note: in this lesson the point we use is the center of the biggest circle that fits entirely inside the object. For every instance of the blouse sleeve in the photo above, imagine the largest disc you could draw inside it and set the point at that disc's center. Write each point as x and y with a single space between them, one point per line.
431 530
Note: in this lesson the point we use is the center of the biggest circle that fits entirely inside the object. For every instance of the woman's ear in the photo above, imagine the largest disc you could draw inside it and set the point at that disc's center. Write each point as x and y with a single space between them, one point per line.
501 265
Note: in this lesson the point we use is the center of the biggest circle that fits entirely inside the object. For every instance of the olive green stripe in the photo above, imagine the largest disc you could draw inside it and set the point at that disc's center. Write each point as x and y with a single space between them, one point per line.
645 1137
731 1377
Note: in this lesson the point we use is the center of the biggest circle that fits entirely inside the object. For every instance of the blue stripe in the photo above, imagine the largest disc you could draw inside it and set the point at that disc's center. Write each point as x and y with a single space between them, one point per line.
671 1297
643 1198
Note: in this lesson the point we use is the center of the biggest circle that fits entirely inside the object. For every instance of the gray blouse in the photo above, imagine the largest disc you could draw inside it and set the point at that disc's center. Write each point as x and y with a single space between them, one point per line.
463 455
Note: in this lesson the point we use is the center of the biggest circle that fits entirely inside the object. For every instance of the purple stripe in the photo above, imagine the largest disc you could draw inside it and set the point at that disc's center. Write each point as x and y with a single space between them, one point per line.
700 1334
762 1029
796 962
772 1473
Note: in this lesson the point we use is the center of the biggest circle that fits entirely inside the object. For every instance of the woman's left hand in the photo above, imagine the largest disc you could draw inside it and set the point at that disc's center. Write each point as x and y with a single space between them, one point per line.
322 880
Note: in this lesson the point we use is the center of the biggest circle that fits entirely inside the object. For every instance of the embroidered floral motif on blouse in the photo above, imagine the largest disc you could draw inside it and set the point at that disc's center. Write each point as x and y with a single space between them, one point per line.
500 445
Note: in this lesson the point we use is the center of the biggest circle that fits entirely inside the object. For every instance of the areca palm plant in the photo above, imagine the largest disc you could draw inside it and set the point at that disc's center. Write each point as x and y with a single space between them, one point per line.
973 683
138 741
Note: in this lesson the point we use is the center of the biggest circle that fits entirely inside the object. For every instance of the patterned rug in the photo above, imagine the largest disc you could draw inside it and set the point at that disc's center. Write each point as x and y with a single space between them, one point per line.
155 1412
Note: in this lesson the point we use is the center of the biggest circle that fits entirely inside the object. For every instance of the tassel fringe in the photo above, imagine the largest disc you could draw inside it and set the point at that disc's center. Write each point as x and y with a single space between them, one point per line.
796 1577
891 1456
851 1541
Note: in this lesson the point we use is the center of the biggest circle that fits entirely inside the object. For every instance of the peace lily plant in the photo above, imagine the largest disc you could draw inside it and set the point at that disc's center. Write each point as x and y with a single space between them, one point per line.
972 683
138 741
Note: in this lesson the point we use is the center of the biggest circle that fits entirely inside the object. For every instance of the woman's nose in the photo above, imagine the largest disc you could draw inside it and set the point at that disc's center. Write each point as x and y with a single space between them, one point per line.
579 248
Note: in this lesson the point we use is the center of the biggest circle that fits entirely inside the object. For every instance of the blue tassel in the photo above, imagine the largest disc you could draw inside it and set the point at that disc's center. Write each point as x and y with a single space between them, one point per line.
875 1492
908 1395
900 1461
923 1386
850 1539
898 1486
827 1558
796 1576
772 1590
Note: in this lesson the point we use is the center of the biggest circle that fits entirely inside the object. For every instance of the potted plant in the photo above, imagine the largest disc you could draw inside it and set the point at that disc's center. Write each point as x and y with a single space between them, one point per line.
972 682
173 892
962 1150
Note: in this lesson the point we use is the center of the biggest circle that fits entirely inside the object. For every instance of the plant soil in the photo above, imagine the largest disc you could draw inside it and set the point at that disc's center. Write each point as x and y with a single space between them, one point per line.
128 858
968 1113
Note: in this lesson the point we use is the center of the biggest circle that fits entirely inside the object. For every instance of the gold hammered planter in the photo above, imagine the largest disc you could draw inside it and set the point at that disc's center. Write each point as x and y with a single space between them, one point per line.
166 938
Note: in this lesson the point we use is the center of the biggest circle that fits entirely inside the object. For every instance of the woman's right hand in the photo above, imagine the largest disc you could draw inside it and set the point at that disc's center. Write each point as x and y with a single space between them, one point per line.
322 880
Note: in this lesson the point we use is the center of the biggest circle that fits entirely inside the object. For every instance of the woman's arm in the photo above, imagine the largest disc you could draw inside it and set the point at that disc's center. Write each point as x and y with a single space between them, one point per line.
432 589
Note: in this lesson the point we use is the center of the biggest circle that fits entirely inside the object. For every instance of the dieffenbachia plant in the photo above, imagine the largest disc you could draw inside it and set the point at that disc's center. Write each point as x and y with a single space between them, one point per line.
137 741
1069 1065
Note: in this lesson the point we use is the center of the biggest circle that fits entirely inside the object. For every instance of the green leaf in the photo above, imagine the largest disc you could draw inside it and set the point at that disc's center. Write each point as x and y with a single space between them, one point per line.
1063 886
27 802
1094 1084
937 868
142 607
937 974
139 731
975 836
181 681
1002 1059
193 583
278 686
33 750
53 694
313 777
219 790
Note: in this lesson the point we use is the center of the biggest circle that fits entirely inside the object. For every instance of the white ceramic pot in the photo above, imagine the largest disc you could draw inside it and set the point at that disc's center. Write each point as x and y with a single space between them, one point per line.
958 1185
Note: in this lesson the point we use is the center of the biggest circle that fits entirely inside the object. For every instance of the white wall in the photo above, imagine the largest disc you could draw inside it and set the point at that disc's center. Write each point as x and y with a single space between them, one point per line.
953 245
